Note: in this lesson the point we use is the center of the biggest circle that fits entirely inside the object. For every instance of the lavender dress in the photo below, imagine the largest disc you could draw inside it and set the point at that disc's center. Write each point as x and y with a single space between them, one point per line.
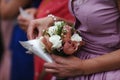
100 29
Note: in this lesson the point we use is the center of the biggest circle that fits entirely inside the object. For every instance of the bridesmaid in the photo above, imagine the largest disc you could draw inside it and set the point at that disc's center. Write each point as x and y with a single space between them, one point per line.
99 59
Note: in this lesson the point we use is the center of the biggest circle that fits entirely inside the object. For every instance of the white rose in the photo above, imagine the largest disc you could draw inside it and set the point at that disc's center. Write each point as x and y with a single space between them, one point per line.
56 41
76 37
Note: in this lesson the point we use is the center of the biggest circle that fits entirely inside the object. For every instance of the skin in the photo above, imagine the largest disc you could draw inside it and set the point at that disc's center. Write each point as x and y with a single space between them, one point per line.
11 7
72 66
37 26
64 67
118 1
23 21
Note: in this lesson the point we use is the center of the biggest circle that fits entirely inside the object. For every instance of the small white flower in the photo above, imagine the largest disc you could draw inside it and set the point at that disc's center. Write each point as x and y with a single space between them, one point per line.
59 23
56 41
41 43
52 30
76 37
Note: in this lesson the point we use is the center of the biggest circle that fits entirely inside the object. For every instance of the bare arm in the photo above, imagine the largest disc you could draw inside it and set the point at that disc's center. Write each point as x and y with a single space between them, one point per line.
73 66
108 62
10 9
118 3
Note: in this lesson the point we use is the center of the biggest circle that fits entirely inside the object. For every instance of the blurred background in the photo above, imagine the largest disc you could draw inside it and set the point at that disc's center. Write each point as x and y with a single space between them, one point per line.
15 64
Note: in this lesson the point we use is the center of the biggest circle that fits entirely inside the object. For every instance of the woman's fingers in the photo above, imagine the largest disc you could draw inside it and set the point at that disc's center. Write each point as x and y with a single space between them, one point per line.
30 31
23 22
37 26
51 71
58 59
50 65
34 29
64 67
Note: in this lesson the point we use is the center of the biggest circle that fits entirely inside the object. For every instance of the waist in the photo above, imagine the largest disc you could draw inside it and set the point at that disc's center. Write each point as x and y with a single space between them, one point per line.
96 48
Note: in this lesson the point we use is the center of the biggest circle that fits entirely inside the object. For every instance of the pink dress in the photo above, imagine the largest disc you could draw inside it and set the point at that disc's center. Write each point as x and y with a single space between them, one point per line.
99 24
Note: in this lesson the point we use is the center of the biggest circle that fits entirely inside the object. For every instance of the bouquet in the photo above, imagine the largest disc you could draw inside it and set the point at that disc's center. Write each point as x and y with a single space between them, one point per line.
60 39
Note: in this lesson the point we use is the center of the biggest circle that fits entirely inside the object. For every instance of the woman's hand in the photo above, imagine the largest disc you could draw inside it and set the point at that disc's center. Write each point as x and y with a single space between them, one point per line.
25 21
65 67
37 26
